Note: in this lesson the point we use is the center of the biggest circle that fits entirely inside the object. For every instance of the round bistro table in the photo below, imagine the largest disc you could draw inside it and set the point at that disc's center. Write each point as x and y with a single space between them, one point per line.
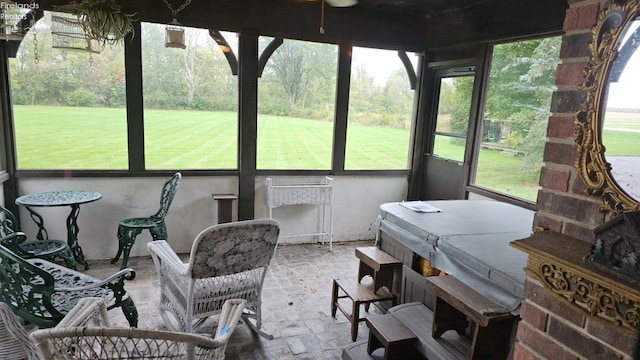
72 198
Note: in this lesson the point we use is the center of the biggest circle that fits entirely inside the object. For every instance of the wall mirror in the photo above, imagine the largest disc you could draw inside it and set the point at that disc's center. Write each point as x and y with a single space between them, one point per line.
608 123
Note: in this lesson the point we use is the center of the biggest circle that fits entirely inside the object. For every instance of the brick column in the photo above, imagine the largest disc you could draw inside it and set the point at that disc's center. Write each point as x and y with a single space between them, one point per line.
551 329
563 204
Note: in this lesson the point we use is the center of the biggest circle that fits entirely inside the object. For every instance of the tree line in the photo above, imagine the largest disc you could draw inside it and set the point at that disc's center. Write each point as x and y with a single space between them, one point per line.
299 79
518 100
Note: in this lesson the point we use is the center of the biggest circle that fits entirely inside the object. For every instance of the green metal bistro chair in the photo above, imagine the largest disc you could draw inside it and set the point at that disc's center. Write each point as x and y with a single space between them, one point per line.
42 293
129 229
44 249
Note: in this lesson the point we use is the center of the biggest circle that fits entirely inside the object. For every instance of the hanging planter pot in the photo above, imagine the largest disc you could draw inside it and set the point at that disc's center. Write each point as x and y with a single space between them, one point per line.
174 37
104 20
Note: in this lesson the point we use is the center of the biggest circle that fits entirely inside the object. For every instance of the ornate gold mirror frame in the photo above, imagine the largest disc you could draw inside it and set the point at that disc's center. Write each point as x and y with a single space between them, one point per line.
591 163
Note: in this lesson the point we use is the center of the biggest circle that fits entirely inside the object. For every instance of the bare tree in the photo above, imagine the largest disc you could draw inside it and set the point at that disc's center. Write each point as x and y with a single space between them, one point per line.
188 61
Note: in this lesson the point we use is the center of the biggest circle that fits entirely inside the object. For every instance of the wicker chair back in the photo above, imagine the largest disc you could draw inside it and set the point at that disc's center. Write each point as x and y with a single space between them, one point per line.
85 333
227 261
14 339
233 248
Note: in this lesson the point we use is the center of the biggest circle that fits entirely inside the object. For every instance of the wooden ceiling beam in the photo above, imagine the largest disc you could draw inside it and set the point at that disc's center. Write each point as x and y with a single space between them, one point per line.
502 21
369 24
291 19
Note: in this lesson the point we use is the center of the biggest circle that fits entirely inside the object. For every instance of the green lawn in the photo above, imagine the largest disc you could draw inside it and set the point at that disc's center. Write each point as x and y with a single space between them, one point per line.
291 143
56 137
500 171
621 142
51 137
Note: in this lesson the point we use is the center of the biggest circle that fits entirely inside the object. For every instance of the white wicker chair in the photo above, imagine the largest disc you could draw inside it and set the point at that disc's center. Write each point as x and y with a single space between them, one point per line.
14 339
227 261
85 334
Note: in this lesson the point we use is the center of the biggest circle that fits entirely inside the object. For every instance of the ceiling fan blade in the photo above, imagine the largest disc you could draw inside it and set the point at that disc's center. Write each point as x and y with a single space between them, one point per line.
341 3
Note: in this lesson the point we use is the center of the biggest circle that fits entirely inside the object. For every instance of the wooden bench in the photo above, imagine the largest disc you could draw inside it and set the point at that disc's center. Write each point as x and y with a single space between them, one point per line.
390 333
457 303
418 319
382 267
457 306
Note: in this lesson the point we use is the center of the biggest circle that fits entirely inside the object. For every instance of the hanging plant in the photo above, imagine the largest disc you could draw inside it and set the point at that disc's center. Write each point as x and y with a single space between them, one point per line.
105 20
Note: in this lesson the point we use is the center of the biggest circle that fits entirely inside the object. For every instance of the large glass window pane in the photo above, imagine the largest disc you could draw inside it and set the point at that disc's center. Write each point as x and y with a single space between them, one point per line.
517 109
296 96
452 121
188 94
69 106
380 111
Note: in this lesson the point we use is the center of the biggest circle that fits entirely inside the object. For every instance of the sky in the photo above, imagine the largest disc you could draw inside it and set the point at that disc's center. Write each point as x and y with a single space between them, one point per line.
380 63
626 92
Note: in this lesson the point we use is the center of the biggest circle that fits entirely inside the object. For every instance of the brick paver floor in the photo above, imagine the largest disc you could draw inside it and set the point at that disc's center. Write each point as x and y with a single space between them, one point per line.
296 303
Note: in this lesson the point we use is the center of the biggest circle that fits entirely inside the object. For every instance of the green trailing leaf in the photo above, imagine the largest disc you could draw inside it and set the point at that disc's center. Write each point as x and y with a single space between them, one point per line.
105 20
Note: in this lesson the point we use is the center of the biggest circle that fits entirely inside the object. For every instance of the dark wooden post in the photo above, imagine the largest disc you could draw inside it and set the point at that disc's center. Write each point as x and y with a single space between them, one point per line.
225 206
248 126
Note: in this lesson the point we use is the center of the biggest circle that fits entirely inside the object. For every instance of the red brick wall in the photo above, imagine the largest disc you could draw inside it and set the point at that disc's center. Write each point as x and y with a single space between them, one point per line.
563 204
551 329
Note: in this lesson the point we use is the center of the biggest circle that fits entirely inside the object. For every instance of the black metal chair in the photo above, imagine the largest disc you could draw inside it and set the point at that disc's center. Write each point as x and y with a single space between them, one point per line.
46 249
129 229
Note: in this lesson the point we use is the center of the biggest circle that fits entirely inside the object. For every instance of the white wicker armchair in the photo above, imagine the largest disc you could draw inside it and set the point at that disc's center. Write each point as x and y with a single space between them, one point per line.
85 334
14 339
227 261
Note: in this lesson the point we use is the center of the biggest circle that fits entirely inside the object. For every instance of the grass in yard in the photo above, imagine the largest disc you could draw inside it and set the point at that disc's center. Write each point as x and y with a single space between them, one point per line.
56 137
501 172
53 137
291 143
375 148
449 148
621 142
621 133
496 170
190 139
